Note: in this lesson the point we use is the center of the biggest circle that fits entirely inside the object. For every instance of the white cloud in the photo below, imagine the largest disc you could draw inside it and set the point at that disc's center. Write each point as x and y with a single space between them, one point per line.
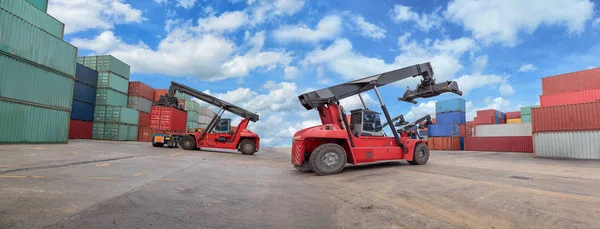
596 22
367 29
228 21
502 20
527 68
82 15
241 65
353 102
291 72
590 67
424 22
421 110
498 103
186 4
480 64
256 42
328 28
506 89
466 83
264 10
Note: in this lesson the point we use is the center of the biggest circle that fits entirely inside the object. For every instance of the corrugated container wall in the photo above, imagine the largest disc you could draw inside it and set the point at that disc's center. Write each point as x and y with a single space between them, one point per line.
24 40
106 96
80 129
445 143
204 111
501 130
21 123
107 63
158 93
115 114
111 80
450 105
40 4
139 103
586 96
144 119
527 110
193 116
575 117
513 121
570 82
526 118
575 145
84 93
500 144
168 118
86 75
455 117
34 16
191 105
82 111
443 130
204 119
120 132
22 81
513 115
141 90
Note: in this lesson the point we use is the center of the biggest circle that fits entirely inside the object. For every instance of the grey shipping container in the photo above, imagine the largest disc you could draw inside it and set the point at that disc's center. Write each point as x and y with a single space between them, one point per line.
22 81
204 111
107 63
19 38
34 16
575 145
503 130
116 114
23 123
111 80
204 119
107 96
139 103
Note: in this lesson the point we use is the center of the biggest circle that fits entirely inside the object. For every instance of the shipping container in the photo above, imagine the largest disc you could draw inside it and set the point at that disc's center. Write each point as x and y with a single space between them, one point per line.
574 145
82 111
500 144
23 123
488 113
586 96
450 106
144 119
80 129
40 4
500 130
462 130
204 111
34 16
139 103
527 110
168 118
22 81
107 96
571 82
513 114
86 75
469 128
145 133
451 117
444 143
158 93
84 93
114 114
140 89
19 38
192 105
513 121
443 130
98 131
192 116
191 125
120 132
484 120
111 80
107 63
204 119
575 117
526 118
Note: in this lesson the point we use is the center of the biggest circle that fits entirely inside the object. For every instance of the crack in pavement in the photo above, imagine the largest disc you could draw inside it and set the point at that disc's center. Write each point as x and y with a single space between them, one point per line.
68 164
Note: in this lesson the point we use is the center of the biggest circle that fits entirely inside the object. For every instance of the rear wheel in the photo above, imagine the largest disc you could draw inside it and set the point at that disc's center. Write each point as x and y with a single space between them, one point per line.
421 155
328 159
248 147
188 143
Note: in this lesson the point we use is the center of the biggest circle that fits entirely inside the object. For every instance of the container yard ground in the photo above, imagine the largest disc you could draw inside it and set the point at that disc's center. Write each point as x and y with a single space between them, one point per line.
63 187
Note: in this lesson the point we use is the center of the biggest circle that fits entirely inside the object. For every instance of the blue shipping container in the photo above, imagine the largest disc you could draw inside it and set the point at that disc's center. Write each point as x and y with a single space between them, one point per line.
82 111
86 75
443 130
84 93
450 106
451 117
462 143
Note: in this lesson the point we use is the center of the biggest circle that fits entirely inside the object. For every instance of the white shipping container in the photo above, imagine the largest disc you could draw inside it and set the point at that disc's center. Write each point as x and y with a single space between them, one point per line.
204 119
575 145
139 103
503 130
204 111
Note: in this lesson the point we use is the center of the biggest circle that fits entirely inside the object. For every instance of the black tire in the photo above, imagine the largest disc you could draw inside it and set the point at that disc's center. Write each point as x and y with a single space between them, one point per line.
188 143
158 144
247 147
328 159
421 155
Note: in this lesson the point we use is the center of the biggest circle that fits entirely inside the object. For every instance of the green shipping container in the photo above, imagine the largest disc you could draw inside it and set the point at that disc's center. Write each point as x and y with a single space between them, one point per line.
105 96
33 15
182 96
22 81
111 80
192 116
120 132
133 133
526 118
98 131
122 115
19 38
192 125
22 123
40 4
527 110
107 63
192 105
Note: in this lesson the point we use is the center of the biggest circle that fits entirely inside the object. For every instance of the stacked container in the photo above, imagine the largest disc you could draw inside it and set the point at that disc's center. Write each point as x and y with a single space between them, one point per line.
84 97
205 116
513 117
526 114
490 117
37 70
494 130
140 99
450 127
567 124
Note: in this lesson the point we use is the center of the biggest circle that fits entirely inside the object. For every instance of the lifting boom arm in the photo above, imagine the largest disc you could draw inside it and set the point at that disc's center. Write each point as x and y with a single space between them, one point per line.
413 124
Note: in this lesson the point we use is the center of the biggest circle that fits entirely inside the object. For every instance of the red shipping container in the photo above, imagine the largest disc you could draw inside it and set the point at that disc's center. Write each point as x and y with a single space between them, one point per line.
487 113
586 96
443 143
573 117
571 82
144 119
500 144
145 133
80 129
484 120
168 118
142 90
158 93
513 114
462 130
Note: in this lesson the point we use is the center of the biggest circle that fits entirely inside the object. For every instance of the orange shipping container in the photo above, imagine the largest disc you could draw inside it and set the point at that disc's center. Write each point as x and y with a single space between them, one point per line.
574 117
570 82
158 93
586 96
443 143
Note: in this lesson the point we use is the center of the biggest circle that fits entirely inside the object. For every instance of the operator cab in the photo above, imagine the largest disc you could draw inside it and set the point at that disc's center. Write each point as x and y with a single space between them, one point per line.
223 126
365 123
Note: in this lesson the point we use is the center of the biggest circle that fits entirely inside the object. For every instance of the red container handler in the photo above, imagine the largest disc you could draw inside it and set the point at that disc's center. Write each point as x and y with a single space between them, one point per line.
513 114
522 144
145 133
573 117
142 90
586 96
571 82
144 119
80 129
168 118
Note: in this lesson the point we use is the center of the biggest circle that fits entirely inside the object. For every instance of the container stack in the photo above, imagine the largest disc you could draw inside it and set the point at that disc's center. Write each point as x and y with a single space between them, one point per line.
113 120
513 117
205 116
490 116
450 128
37 69
526 114
140 99
566 125
193 113
84 97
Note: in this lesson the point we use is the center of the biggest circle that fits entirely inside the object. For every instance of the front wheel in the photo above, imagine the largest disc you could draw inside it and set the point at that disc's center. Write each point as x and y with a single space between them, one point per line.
188 143
328 159
421 155
248 147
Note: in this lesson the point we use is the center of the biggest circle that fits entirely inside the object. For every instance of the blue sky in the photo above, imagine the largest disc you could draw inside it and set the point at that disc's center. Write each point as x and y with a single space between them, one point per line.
260 54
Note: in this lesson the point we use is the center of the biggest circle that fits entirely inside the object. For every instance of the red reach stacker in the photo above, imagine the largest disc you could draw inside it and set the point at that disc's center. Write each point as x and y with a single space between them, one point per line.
326 149
219 133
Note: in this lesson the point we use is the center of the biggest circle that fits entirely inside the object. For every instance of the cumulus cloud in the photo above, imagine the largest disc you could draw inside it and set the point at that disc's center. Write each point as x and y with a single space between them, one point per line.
186 4
596 22
265 10
527 68
498 103
424 22
328 28
84 15
367 29
228 21
480 64
291 72
421 110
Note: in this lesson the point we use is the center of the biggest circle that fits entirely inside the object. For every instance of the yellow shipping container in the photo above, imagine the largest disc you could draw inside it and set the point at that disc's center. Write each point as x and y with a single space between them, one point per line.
513 121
